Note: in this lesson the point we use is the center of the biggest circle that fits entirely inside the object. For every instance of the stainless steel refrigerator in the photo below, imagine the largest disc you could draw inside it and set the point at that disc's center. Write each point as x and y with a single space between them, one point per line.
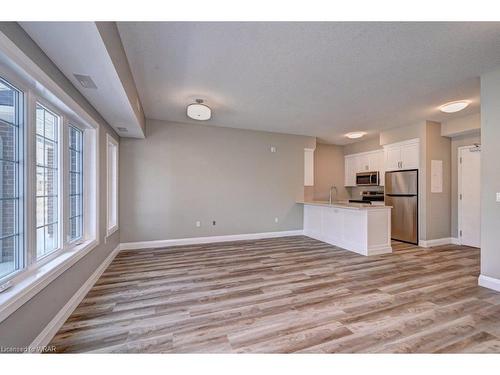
401 192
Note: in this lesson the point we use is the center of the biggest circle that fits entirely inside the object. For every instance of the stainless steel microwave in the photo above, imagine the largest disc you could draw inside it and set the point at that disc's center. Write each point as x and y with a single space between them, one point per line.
367 179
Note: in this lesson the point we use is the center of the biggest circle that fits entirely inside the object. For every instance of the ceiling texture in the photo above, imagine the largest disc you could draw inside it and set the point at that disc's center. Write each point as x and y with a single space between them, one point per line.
316 79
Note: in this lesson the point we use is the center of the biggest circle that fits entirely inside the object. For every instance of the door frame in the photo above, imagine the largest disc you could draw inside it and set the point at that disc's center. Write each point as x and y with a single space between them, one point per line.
459 189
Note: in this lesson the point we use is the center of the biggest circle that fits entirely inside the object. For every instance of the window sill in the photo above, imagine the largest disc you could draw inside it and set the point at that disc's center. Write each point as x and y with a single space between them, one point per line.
32 280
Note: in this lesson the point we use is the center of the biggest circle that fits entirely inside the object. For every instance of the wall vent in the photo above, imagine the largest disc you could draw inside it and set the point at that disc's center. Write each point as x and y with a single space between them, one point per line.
123 130
85 81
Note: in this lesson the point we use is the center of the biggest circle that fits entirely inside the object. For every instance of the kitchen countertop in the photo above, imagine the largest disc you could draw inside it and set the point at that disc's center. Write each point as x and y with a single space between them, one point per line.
347 205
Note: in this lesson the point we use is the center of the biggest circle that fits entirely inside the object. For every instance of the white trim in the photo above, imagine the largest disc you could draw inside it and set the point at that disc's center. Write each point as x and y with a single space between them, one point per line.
437 242
364 153
112 195
455 241
402 143
48 333
489 282
33 279
209 239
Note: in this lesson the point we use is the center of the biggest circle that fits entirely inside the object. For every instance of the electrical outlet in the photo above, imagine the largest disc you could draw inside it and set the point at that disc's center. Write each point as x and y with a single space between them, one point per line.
198 224
273 149
498 197
276 219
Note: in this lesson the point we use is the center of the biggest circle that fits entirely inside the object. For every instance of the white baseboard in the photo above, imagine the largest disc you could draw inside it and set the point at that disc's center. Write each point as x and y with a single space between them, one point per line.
437 242
48 333
455 240
209 239
489 282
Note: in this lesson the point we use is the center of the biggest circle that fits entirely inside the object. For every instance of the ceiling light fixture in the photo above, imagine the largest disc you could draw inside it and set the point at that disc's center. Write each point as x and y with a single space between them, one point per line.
355 135
452 107
199 111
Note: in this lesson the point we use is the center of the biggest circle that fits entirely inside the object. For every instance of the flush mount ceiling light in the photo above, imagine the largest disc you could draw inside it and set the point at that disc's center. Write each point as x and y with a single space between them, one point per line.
452 107
199 111
355 135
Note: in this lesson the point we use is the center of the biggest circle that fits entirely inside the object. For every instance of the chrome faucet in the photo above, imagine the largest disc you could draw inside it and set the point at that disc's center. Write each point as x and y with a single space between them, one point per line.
331 189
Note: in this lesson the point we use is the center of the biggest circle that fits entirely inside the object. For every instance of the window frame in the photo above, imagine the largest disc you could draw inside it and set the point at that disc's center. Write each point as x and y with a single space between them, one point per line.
33 275
82 187
112 195
21 175
37 100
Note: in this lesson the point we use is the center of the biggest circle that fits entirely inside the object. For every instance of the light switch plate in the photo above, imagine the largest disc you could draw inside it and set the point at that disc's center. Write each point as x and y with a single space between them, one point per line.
498 197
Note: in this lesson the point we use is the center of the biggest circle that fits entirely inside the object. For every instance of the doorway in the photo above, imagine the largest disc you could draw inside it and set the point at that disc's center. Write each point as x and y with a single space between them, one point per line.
469 195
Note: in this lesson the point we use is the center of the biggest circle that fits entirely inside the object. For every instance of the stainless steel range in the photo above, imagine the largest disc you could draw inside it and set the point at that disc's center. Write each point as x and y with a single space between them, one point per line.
370 197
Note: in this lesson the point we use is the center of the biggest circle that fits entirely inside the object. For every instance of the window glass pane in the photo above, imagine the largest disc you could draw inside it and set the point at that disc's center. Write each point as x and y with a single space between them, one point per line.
40 181
47 189
76 183
40 115
11 113
51 238
8 260
8 148
8 99
50 125
50 154
8 210
8 174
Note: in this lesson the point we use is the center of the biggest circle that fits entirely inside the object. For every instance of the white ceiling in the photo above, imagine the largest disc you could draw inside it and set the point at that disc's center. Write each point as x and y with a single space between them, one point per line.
318 79
77 47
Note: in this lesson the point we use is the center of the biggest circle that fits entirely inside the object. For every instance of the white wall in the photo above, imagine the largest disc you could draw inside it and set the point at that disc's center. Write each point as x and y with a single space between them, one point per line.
183 173
490 174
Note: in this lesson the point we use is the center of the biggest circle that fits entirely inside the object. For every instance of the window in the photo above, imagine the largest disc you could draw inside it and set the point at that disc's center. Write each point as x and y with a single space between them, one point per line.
11 240
112 185
49 165
47 181
75 183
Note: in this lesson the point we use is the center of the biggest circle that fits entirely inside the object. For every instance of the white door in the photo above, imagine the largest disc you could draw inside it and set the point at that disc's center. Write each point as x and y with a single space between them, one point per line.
409 156
469 190
392 158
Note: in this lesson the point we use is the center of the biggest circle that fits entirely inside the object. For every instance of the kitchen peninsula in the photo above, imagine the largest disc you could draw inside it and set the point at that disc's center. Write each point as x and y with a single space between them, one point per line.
361 228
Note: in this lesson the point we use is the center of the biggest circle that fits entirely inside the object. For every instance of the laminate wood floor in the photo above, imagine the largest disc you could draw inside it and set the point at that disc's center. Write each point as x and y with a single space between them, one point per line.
285 295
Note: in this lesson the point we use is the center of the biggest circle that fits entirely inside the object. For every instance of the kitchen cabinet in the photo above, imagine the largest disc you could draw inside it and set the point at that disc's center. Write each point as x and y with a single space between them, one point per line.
402 155
370 161
308 167
350 171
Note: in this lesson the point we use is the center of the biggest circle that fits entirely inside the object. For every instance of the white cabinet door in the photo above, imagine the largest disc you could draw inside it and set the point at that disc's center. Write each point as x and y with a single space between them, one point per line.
409 156
392 158
362 163
350 171
374 161
308 167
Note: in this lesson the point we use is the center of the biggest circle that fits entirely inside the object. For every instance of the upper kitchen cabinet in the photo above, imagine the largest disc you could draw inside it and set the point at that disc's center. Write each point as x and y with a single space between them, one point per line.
371 161
350 170
308 167
402 155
